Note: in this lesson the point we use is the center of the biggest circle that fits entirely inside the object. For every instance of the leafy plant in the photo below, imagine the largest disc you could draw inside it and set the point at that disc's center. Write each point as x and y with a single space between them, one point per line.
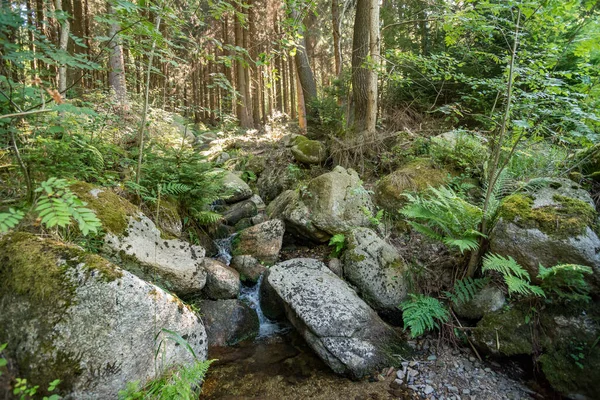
442 215
338 242
374 220
465 289
10 219
57 205
422 313
566 281
517 279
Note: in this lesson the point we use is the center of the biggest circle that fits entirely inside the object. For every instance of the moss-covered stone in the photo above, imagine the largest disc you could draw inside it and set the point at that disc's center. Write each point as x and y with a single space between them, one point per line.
113 210
568 217
309 151
40 270
414 177
505 332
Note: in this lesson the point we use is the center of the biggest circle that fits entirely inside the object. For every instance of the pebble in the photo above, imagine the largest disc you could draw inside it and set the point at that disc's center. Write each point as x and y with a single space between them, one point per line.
453 389
428 389
432 357
400 375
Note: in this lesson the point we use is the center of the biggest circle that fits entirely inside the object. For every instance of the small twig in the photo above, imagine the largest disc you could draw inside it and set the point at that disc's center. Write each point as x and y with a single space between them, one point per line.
22 114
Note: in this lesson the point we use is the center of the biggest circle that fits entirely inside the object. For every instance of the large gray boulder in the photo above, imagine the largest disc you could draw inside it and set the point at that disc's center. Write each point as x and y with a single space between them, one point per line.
262 241
228 322
487 300
74 316
172 263
134 242
338 325
377 270
551 225
331 203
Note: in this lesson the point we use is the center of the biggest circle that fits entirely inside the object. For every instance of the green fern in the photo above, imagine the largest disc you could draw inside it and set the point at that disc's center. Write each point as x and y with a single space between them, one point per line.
207 217
442 215
465 289
338 242
517 279
423 313
566 281
57 205
10 219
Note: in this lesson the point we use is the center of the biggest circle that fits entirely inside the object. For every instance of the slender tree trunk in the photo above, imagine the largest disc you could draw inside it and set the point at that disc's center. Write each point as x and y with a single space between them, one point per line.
116 63
145 112
65 27
303 69
301 107
337 46
292 80
375 59
242 105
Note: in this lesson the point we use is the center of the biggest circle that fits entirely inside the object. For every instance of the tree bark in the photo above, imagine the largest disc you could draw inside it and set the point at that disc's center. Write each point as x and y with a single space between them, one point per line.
337 47
116 63
65 27
375 59
242 104
303 69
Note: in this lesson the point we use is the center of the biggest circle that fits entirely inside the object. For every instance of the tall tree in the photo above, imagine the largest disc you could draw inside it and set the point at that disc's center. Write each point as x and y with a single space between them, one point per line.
116 67
65 27
303 68
365 48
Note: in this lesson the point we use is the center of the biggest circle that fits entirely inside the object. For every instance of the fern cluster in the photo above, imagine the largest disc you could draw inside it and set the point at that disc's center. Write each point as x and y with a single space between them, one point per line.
517 279
56 206
423 313
338 242
465 289
442 215
182 174
566 281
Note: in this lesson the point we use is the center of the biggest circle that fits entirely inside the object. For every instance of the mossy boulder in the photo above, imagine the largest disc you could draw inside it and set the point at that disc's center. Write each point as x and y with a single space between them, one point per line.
169 220
309 151
331 203
228 322
563 338
414 177
377 270
113 210
73 316
237 190
250 268
459 150
554 224
507 332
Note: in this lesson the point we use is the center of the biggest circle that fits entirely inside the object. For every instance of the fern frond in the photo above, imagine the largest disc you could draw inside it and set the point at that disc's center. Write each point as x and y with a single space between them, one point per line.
566 281
10 219
465 289
423 313
517 279
207 217
174 188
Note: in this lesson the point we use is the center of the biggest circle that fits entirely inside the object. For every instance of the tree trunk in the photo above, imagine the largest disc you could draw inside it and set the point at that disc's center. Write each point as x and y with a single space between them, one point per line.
375 59
242 104
337 47
365 43
65 27
303 69
116 63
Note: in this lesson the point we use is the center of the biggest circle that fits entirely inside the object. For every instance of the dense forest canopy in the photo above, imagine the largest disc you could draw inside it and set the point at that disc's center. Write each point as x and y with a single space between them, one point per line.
460 139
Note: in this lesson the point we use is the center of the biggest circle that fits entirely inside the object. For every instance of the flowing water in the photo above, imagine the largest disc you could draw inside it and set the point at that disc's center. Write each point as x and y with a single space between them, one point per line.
250 294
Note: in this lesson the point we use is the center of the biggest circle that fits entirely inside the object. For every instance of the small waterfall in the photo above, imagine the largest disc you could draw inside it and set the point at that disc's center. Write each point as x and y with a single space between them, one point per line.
249 294
224 249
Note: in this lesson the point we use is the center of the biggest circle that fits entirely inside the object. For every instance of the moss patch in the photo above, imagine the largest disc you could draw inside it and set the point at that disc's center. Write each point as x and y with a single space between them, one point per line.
110 208
39 271
505 332
568 218
414 177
